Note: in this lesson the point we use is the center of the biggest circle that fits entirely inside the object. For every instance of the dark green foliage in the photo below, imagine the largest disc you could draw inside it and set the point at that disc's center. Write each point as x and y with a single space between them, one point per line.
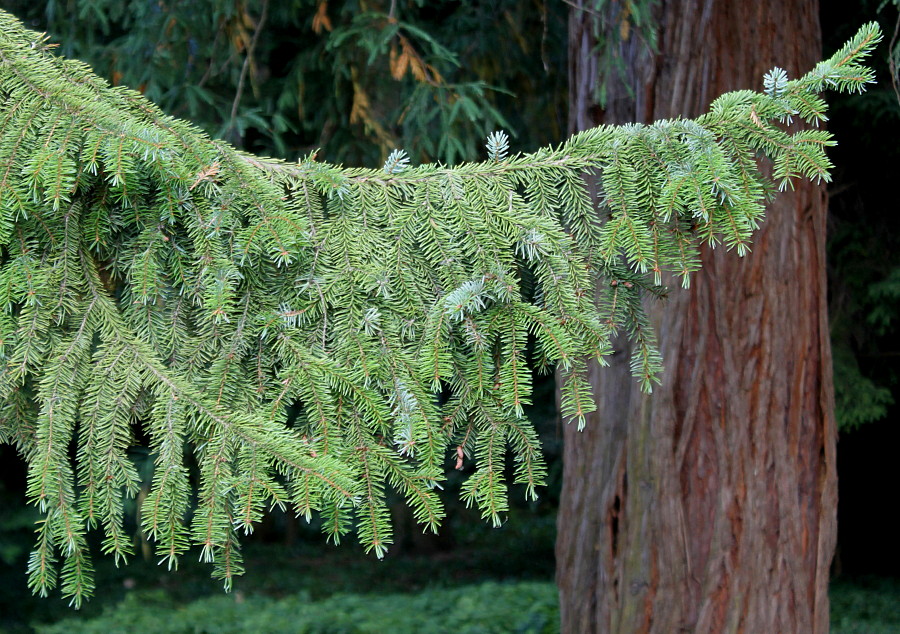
865 606
863 245
858 399
522 550
350 79
864 308
487 608
319 337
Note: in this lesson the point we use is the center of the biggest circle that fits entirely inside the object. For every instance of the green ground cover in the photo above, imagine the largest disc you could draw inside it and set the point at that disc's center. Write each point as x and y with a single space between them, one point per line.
488 581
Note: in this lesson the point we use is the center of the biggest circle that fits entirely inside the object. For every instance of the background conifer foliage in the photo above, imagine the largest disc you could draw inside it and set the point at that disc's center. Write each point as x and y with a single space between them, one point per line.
317 335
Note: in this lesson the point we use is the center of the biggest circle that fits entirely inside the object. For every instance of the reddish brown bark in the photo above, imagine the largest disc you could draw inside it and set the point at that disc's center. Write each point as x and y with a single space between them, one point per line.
709 505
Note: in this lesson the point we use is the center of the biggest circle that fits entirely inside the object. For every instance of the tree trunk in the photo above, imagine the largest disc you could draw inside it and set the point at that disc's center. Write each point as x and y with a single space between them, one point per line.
710 504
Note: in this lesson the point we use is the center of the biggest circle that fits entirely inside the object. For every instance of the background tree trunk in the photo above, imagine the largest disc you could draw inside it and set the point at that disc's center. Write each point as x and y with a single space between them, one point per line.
709 505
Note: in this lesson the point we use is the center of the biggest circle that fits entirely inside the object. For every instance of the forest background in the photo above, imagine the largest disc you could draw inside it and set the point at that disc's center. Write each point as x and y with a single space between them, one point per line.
354 80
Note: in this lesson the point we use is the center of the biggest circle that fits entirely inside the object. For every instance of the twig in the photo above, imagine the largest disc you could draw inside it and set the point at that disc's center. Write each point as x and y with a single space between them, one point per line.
246 67
892 58
583 9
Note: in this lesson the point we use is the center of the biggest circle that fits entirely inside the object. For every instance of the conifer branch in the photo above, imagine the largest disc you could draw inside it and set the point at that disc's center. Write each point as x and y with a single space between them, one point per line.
152 277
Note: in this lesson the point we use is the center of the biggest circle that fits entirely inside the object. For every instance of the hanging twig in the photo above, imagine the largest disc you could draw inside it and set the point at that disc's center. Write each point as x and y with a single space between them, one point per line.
892 57
246 67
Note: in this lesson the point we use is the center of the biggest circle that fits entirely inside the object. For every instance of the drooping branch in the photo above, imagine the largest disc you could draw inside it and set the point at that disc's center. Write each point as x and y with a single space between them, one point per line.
316 333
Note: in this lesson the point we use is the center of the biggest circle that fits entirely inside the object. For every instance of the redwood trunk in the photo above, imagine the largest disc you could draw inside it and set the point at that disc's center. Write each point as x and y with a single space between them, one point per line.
709 505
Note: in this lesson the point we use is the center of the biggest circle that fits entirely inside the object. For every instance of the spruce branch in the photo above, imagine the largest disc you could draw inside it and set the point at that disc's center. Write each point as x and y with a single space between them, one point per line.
153 278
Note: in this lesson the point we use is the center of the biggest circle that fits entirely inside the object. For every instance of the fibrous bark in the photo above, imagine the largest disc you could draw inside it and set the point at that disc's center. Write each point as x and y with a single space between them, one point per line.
709 505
